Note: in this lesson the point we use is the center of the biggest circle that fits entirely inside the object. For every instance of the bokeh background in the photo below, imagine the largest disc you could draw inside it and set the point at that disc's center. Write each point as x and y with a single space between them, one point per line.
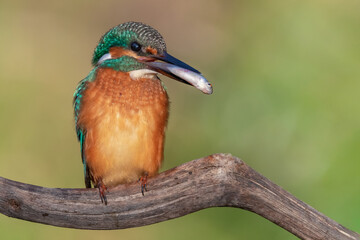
286 100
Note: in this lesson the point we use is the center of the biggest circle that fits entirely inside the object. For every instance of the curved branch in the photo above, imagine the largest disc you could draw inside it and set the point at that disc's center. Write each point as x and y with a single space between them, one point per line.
219 180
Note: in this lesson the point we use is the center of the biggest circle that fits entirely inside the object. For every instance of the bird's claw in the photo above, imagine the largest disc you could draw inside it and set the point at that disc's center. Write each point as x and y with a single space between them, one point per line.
102 190
143 182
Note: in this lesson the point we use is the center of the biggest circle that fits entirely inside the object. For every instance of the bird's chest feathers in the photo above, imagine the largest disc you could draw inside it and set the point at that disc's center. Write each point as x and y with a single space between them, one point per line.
114 97
125 121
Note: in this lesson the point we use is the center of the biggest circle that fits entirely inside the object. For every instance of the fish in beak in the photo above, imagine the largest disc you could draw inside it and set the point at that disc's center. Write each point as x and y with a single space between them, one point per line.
180 71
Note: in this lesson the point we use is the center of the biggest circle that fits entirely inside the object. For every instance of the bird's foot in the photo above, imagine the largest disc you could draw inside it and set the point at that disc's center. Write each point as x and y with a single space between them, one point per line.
102 190
143 182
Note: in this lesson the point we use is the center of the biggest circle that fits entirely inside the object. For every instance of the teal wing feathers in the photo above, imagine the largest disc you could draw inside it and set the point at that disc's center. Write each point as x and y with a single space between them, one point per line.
80 131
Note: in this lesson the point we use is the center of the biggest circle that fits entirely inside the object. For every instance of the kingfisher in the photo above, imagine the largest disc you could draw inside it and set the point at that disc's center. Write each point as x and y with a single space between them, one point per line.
121 108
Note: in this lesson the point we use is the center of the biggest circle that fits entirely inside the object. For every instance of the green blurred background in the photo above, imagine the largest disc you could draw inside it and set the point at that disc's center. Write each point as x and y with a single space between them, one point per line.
286 101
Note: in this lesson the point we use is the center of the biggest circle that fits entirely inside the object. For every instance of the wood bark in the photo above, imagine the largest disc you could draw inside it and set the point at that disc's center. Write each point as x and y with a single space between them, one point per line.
219 180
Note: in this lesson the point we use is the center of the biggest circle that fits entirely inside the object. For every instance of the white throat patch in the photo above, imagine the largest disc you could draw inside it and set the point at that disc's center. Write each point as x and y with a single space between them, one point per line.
142 73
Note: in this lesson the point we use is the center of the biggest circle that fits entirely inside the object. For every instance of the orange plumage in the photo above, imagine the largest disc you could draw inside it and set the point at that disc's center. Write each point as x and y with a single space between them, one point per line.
125 123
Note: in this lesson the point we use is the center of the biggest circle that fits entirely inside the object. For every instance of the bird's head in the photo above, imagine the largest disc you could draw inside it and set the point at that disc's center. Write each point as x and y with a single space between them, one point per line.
140 50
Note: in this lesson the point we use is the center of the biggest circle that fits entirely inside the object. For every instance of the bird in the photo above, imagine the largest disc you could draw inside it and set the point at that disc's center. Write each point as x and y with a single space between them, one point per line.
121 108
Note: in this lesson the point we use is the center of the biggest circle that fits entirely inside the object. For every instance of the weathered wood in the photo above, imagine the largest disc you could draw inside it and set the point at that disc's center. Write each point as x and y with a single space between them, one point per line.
219 180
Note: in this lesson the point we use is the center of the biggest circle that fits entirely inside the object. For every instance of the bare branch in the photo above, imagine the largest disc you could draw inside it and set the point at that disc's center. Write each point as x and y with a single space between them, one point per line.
219 180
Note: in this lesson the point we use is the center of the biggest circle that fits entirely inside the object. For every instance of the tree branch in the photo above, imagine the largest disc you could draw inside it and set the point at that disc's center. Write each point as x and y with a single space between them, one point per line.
219 180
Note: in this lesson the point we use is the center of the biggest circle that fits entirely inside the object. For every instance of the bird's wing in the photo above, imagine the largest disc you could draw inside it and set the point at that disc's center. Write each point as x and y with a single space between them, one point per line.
81 136
80 131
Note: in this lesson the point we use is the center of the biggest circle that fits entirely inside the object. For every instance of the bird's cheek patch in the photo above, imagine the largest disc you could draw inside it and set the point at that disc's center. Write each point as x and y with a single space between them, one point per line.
118 52
151 50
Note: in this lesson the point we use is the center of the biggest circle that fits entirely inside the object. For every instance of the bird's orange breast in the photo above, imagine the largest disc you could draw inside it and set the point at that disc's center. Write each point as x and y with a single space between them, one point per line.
125 123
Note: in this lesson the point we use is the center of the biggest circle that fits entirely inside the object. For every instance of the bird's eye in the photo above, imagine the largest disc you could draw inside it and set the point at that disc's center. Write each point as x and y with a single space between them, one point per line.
135 46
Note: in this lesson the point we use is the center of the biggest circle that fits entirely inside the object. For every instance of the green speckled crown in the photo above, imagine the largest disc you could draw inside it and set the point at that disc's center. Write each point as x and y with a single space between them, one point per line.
124 34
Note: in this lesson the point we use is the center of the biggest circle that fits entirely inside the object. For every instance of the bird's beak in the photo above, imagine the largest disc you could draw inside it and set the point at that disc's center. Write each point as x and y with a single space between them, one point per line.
180 71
